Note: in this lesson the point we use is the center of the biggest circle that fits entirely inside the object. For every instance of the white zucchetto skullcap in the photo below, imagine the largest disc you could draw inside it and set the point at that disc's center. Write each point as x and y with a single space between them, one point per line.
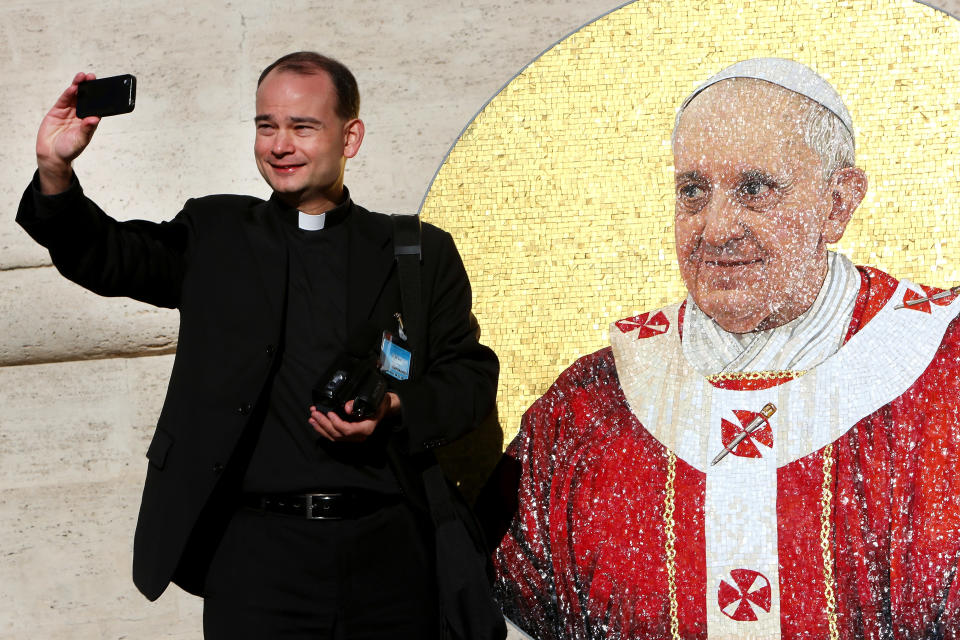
788 74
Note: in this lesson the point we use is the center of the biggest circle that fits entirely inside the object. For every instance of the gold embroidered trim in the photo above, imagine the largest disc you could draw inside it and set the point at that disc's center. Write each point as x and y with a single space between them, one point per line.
670 544
826 498
754 375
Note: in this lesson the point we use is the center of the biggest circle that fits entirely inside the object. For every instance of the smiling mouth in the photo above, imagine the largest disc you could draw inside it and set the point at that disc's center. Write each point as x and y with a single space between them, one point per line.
732 263
288 168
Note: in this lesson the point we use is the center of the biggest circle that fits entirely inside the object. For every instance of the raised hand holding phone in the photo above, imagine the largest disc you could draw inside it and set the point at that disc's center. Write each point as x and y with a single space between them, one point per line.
62 137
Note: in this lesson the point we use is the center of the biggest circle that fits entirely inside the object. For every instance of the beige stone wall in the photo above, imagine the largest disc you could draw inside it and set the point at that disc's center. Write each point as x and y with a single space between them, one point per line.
81 377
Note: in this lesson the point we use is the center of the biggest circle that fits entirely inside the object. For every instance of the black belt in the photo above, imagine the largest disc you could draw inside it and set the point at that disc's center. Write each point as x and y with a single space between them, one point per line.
320 506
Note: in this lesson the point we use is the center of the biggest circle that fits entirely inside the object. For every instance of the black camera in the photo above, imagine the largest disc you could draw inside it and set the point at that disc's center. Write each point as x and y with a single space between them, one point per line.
351 378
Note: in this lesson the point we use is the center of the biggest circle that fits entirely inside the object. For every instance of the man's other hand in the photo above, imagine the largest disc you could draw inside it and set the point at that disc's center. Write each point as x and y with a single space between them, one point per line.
62 137
336 429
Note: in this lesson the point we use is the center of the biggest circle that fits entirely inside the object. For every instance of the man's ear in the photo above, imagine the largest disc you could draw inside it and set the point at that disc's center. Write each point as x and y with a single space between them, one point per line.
352 137
847 187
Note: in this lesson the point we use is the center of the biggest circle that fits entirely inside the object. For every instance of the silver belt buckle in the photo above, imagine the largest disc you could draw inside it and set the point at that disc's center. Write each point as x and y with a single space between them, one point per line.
320 500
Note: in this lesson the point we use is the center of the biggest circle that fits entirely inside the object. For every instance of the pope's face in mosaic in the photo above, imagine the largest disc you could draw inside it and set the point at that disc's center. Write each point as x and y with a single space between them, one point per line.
753 209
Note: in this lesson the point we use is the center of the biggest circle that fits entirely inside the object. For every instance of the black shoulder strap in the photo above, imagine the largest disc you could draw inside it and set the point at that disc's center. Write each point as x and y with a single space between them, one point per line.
408 254
406 236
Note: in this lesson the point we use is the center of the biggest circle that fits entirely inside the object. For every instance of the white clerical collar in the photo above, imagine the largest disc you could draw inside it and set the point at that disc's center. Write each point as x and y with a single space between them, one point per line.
801 344
311 222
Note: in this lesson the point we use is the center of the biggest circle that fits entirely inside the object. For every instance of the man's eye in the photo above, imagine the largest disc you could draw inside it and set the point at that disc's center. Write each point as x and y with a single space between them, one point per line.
691 191
754 188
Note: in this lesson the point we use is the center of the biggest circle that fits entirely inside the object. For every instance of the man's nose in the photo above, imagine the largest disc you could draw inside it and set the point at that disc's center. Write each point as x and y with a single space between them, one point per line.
721 221
282 144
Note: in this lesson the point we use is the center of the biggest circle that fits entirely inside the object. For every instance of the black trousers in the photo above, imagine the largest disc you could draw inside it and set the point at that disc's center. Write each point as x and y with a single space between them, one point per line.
275 577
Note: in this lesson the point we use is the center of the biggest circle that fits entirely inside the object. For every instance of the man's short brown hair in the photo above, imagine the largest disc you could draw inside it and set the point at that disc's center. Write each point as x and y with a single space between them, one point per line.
310 63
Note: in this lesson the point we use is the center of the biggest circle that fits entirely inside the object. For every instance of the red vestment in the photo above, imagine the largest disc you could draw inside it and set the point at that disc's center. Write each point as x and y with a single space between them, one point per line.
872 519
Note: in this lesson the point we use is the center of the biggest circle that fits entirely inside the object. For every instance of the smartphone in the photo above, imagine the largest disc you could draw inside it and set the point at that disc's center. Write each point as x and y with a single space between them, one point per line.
106 96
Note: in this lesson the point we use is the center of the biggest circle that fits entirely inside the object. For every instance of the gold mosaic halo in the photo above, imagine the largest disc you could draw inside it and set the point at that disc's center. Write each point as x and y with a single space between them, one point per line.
560 192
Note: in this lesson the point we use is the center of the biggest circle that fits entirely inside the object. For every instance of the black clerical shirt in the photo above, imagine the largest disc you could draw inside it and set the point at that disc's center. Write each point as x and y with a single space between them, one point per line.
289 455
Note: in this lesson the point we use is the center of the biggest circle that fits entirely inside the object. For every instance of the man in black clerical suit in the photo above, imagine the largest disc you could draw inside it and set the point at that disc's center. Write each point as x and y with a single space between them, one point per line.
269 294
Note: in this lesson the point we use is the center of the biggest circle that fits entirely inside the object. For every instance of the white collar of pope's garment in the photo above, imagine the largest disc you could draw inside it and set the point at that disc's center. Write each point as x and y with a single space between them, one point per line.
684 411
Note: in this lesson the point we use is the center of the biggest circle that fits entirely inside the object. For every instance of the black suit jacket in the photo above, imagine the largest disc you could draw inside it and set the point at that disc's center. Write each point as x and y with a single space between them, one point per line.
222 262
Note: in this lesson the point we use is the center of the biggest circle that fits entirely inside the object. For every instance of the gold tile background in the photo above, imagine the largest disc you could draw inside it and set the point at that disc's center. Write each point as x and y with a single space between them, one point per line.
560 194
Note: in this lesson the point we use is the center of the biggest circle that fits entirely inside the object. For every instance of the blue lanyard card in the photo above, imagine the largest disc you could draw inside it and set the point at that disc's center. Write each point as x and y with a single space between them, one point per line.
394 359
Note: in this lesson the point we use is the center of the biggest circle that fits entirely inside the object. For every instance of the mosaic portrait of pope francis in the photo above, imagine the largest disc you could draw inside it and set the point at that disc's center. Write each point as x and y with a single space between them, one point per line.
775 456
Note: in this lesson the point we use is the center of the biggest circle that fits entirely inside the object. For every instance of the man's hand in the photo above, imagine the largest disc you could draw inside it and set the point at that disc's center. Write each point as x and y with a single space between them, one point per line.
62 137
336 429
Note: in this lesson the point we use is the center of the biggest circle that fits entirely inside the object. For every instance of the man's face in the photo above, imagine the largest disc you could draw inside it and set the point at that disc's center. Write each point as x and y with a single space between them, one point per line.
302 144
752 206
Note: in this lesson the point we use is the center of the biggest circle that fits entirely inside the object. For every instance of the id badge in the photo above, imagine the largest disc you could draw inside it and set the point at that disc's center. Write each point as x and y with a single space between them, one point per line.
394 357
